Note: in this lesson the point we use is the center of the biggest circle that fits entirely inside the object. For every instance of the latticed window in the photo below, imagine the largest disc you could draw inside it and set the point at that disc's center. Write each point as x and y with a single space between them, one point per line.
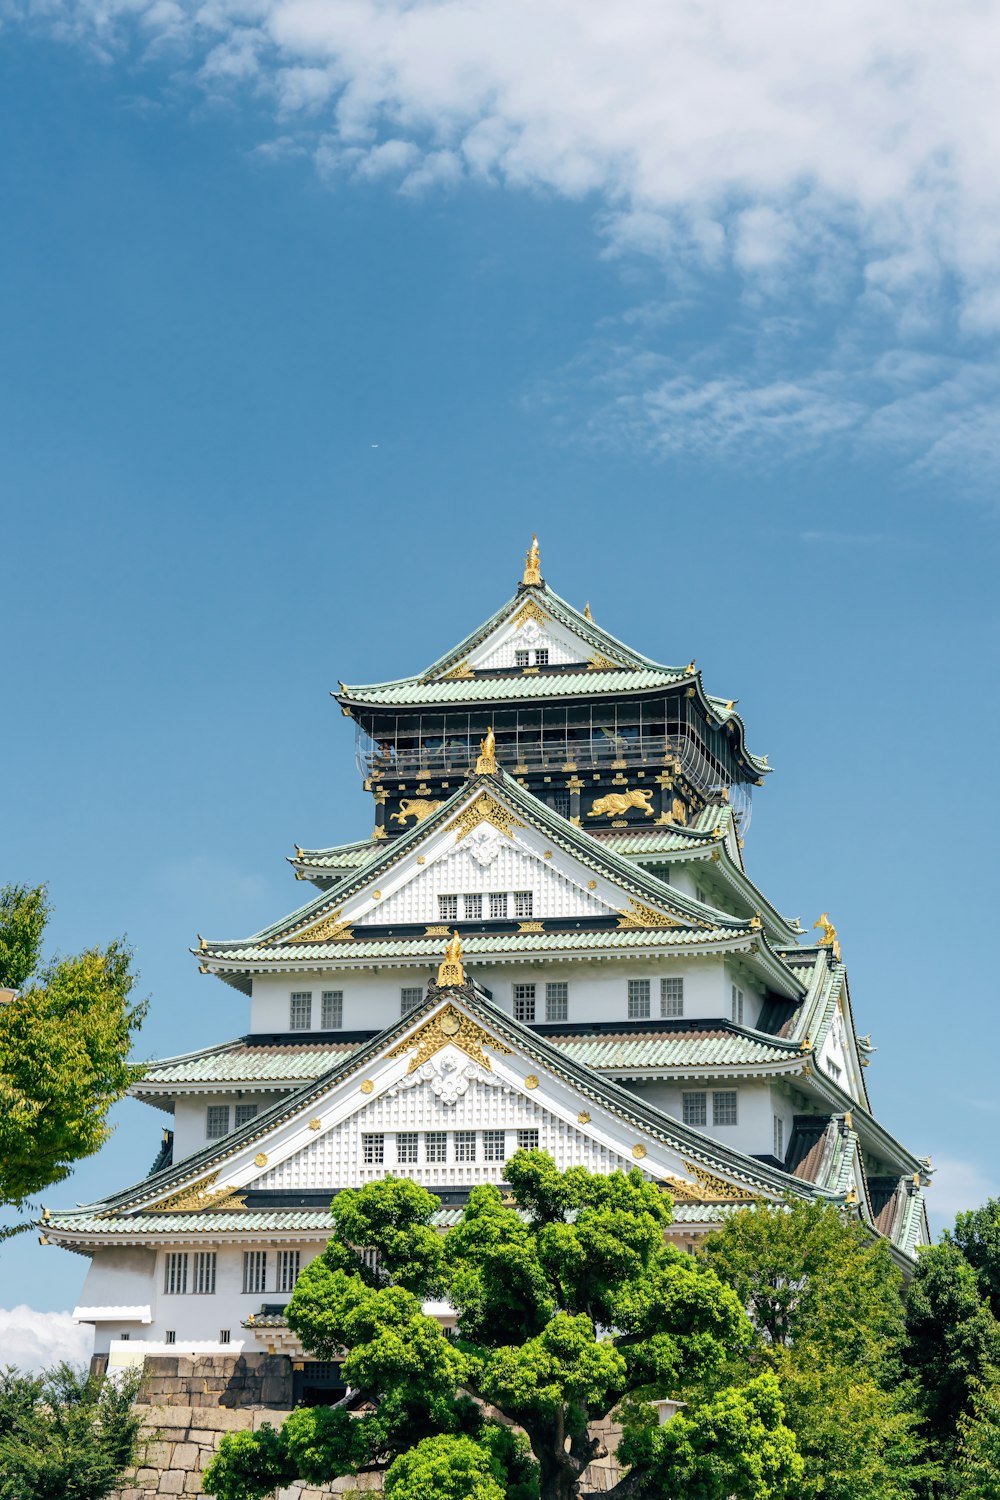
737 999
406 1147
638 999
436 1145
409 997
560 803
473 908
523 903
217 1121
203 1281
224 1335
465 1145
542 656
288 1269
521 658
300 1010
527 1140
170 1337
498 906
244 1113
694 1109
671 998
494 1145
524 1002
373 1150
175 1273
724 1107
332 1010
779 1137
448 908
556 1001
254 1271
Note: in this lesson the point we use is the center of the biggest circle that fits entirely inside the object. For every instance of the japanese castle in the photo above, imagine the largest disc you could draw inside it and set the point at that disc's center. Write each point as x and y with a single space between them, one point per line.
550 939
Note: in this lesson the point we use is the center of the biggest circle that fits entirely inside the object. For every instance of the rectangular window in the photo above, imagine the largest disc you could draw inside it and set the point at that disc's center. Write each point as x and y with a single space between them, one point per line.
498 906
557 1001
436 1145
288 1269
331 1010
217 1121
204 1273
779 1138
523 903
737 1005
638 999
693 1109
254 1271
560 803
527 1140
473 908
175 1273
671 998
834 1070
542 656
406 1148
724 1107
520 658
465 1145
223 1335
245 1112
494 1144
170 1337
524 1002
125 1336
410 996
448 908
300 1011
373 1150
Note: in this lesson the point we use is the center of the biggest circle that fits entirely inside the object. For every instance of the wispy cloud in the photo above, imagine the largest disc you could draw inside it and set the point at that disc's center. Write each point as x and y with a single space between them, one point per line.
958 1185
33 1341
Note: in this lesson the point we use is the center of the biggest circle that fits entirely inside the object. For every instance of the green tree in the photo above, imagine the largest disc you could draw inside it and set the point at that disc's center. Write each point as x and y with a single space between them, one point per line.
64 1044
535 1285
65 1435
977 1466
977 1235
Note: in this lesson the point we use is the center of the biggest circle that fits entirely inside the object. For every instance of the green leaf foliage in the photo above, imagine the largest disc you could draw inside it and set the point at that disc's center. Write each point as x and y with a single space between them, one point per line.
65 1435
977 1466
445 1468
977 1236
23 913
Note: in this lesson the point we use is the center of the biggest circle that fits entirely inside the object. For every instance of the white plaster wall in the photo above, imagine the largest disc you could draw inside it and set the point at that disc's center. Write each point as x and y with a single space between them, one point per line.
753 1133
191 1115
498 649
782 1105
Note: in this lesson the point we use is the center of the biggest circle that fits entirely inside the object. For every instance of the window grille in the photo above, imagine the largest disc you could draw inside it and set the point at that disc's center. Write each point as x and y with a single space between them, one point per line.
204 1273
494 1145
175 1273
524 1002
542 656
217 1121
254 1271
737 1005
465 1145
473 907
724 1107
410 996
332 1010
638 999
498 905
300 1011
406 1147
125 1336
448 908
779 1138
245 1112
521 658
560 803
523 903
170 1336
224 1335
288 1269
693 1109
527 1140
671 998
436 1145
373 1150
834 1070
557 1001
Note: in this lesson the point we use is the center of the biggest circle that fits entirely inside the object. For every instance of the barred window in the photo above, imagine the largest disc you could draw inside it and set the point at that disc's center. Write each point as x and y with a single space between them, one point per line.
332 1010
524 1002
170 1337
671 998
542 656
410 996
737 1005
557 1001
465 1145
300 1011
521 658
224 1335
406 1147
175 1272
436 1145
523 903
373 1150
494 1145
527 1140
204 1273
448 908
694 1109
217 1121
245 1112
638 999
834 1070
724 1107
560 803
254 1271
498 905
779 1138
288 1269
473 907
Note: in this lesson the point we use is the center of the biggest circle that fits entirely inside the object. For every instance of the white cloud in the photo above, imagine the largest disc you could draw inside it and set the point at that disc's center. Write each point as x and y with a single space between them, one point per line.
33 1341
957 1185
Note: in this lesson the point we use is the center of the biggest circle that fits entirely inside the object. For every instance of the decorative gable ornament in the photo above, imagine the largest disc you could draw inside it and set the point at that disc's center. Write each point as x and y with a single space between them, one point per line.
484 845
485 809
447 1078
449 1027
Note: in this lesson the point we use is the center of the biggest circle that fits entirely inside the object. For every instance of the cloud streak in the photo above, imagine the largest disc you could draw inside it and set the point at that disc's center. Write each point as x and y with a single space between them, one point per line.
33 1341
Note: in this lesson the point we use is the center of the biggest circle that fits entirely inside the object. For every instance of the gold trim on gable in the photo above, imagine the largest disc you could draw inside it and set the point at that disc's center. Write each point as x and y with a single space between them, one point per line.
449 1026
198 1197
327 928
641 915
530 611
485 809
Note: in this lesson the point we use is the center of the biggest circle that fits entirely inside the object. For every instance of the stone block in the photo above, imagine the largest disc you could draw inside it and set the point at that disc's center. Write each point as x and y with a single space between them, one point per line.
192 1484
157 1455
130 1494
172 1483
202 1436
147 1478
185 1455
218 1419
273 1418
276 1390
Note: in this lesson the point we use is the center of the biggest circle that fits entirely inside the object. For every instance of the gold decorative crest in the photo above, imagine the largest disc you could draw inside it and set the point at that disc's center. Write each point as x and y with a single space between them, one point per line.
641 915
532 563
485 809
707 1188
531 927
829 938
639 1151
530 611
452 971
487 763
599 663
328 927
583 1117
449 1026
531 1082
459 672
197 1197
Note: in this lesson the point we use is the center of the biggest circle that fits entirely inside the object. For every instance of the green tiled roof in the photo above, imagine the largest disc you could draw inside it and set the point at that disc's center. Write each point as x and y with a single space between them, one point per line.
246 1061
412 692
668 838
340 856
719 1047
237 1221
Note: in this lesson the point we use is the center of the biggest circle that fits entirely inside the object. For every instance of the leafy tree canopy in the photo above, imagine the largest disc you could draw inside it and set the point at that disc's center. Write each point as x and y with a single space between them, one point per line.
977 1235
65 1435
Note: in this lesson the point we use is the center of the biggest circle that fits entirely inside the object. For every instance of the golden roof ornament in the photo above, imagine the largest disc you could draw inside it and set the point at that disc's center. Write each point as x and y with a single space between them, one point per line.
829 938
532 564
487 763
452 971
586 612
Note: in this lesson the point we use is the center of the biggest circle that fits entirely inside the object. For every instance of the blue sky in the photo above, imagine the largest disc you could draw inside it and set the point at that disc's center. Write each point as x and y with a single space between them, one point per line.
310 314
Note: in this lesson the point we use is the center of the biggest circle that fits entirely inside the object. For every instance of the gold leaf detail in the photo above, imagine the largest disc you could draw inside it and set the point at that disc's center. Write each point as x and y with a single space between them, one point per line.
583 1118
260 1160
639 1151
437 932
530 927
598 663
367 1086
327 927
591 885
449 1027
531 1082
641 915
315 1124
462 670
530 611
707 1188
485 809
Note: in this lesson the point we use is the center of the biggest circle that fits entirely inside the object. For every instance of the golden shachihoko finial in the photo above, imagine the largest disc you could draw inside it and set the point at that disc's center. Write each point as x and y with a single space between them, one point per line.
829 938
487 762
452 970
586 612
532 565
